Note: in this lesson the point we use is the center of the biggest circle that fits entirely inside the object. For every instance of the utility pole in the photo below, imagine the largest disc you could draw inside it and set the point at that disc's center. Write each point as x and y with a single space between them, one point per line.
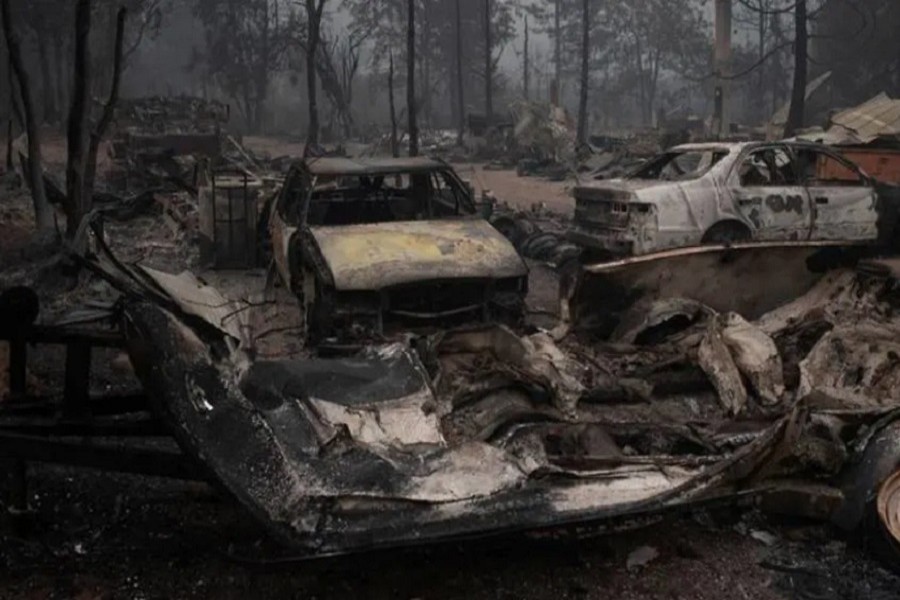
721 111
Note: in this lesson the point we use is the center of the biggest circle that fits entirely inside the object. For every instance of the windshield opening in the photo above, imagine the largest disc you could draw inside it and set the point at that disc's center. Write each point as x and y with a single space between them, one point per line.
680 166
386 198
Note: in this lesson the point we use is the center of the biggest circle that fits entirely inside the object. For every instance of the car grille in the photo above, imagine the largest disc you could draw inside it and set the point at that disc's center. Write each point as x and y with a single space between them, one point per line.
433 300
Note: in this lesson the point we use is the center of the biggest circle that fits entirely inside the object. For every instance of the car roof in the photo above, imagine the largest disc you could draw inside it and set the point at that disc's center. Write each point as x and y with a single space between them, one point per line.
737 146
336 166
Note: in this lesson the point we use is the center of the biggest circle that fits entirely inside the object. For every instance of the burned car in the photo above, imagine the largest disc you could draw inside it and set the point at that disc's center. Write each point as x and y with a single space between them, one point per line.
728 192
365 244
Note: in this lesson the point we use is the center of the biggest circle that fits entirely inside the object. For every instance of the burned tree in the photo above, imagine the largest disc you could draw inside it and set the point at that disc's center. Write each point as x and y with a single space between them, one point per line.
42 212
14 112
395 144
337 65
245 47
526 67
411 78
801 51
109 107
585 72
488 65
460 93
76 204
314 10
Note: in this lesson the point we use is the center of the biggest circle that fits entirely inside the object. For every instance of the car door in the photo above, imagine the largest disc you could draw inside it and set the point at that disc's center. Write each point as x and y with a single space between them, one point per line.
769 194
843 199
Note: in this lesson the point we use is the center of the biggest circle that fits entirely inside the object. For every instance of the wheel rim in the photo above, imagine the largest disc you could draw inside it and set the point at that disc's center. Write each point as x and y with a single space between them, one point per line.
888 503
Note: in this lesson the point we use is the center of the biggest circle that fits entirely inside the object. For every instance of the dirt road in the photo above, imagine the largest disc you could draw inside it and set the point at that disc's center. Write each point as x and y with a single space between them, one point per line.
521 192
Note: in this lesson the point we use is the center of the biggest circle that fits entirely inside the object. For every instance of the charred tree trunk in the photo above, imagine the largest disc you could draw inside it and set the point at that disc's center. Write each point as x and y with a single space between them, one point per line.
460 93
488 66
314 10
426 69
9 122
395 145
526 67
585 74
801 50
761 74
108 108
48 93
62 83
557 53
42 214
411 78
76 203
9 144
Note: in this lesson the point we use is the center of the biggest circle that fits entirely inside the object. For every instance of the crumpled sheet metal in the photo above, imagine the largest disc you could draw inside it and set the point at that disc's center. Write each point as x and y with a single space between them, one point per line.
733 350
335 455
856 364
716 361
332 489
756 357
644 318
536 357
749 279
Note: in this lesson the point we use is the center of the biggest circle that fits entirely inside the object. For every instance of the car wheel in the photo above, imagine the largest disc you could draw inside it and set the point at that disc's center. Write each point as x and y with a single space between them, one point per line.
727 232
871 492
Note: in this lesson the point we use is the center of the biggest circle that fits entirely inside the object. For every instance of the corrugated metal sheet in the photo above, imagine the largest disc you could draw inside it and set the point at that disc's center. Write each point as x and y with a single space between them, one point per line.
877 118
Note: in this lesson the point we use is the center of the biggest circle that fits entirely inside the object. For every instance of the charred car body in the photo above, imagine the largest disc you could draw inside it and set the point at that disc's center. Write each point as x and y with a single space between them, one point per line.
367 243
728 192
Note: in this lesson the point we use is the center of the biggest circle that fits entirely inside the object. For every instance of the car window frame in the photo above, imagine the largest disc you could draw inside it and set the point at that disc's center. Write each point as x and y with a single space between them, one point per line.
466 206
723 151
865 180
735 174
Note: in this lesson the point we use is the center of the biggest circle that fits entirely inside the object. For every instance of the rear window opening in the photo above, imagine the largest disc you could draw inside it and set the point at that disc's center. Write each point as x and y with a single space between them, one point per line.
680 166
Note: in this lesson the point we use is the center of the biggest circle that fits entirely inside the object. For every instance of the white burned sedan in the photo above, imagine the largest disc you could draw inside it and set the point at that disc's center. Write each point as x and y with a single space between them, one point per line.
728 192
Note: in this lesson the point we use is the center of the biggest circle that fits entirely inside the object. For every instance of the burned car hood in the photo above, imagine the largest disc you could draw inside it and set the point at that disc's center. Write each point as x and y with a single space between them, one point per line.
377 256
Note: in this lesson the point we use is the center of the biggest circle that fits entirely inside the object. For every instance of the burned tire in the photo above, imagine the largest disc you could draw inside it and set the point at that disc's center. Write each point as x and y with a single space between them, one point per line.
871 492
727 232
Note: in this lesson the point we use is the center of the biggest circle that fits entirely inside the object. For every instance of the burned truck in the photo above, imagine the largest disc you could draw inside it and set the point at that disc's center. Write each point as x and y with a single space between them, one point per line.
367 244
728 192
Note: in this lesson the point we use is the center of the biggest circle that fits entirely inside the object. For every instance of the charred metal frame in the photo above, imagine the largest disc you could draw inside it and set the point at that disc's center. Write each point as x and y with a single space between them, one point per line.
247 223
41 428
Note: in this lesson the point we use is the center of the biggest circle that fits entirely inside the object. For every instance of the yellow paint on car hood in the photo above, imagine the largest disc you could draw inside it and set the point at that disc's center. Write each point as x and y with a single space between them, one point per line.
381 255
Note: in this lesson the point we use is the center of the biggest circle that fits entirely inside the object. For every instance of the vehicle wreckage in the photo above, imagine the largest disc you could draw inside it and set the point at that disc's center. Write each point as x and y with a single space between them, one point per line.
729 192
485 429
366 244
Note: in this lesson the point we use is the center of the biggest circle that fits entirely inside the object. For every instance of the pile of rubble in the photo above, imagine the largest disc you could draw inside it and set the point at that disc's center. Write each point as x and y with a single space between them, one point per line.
162 143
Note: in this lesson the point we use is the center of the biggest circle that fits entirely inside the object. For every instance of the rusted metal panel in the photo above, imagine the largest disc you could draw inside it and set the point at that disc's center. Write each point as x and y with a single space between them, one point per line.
881 163
377 256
